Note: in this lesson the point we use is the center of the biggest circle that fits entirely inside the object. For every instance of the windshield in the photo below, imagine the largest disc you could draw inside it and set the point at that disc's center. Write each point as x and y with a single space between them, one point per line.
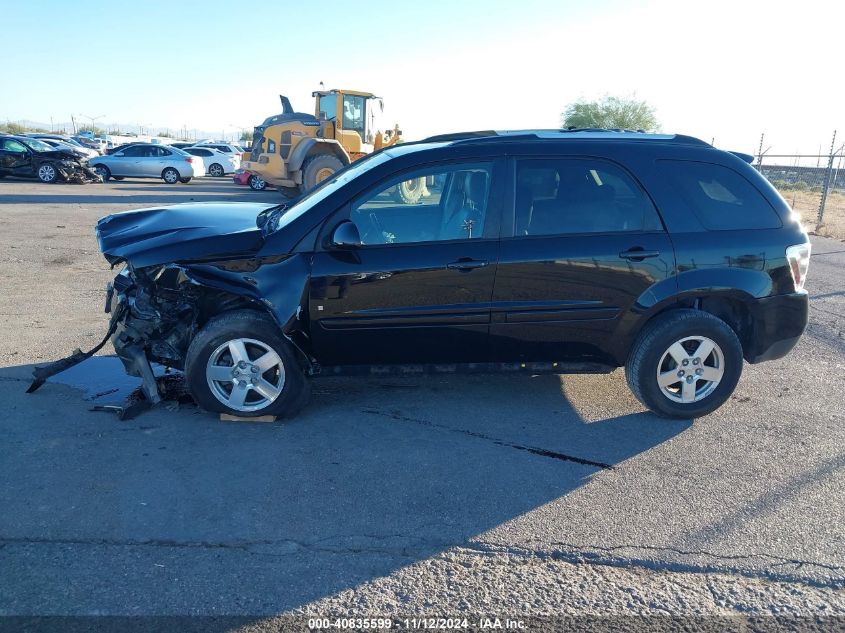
38 146
326 188
283 215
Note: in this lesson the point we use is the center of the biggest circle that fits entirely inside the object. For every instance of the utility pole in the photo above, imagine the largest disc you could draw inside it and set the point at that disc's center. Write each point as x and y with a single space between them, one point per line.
826 180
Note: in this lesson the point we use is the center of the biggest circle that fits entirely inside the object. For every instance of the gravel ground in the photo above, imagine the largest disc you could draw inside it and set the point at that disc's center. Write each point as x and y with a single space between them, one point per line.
402 496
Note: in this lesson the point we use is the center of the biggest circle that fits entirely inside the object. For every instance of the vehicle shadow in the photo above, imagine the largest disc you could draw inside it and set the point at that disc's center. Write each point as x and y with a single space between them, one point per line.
374 475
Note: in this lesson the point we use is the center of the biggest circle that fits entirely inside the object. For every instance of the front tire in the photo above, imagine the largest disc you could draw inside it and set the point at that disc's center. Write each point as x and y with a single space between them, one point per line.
684 364
241 364
170 176
48 173
319 168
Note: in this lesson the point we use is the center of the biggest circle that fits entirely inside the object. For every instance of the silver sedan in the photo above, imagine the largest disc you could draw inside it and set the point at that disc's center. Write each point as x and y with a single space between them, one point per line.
149 160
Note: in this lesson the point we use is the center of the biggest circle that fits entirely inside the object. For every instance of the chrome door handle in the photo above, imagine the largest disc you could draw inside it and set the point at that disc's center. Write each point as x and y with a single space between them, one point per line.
465 265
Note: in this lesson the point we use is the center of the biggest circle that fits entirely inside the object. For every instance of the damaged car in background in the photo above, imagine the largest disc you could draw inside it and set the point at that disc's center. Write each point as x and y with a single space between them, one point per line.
26 157
531 252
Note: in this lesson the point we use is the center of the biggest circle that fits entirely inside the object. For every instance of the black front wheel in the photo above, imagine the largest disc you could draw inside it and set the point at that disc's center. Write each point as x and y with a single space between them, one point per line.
241 364
684 364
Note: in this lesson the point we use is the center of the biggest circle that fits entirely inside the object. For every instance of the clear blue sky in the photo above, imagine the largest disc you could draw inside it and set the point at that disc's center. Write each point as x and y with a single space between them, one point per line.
728 70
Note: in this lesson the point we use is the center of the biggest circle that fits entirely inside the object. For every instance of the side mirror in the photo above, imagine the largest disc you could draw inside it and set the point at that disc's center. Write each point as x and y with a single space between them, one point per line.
346 236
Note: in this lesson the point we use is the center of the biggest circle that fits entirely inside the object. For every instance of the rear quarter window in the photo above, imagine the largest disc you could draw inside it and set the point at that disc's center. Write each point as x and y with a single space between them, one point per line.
721 198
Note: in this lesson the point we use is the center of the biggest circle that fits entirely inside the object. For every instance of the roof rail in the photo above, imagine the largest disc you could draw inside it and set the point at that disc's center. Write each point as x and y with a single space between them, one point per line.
588 133
459 136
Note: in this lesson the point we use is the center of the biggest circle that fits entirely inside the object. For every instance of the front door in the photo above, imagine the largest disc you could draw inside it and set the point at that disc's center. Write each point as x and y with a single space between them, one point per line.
585 244
418 288
15 158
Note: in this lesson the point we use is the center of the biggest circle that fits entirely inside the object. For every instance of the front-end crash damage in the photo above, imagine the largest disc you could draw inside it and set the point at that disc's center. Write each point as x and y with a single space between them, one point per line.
157 310
182 266
75 171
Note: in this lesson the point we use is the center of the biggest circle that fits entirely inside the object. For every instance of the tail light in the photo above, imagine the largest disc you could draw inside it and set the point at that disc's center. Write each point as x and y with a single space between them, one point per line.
798 257
190 159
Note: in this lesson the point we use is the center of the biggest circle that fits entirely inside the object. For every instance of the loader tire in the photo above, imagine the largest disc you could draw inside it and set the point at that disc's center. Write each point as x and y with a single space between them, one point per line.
317 169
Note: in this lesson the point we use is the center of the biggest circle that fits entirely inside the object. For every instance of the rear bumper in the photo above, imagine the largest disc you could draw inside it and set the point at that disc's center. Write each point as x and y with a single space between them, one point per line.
777 324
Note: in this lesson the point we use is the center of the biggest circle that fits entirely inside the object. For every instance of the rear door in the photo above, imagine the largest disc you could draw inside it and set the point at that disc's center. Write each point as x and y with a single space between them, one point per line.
418 288
584 243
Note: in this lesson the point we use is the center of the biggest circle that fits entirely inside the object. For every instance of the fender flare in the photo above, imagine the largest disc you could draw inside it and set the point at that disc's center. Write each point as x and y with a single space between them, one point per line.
307 146
742 285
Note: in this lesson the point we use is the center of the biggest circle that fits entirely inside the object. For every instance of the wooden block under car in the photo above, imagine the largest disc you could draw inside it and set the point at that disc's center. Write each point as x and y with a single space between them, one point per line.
225 417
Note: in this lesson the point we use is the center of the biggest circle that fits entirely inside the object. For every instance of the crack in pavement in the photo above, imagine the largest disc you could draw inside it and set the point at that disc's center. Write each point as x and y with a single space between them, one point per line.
542 452
572 554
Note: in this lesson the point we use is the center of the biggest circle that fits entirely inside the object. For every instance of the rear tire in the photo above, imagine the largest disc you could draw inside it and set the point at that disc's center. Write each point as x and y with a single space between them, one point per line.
184 181
319 168
117 177
671 374
409 191
170 176
256 183
216 170
269 380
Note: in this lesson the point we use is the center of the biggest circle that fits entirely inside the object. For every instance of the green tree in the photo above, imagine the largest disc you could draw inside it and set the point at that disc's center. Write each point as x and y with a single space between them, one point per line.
13 128
246 135
626 113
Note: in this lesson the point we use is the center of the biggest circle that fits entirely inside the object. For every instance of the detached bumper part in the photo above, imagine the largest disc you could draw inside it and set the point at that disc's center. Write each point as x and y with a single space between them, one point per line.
136 363
41 374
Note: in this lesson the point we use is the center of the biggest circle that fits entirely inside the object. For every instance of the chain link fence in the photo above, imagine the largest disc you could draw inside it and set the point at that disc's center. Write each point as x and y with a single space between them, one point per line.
813 184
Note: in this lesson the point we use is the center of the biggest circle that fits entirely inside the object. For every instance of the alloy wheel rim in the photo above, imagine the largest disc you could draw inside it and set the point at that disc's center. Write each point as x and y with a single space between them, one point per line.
171 176
690 369
216 170
245 374
46 172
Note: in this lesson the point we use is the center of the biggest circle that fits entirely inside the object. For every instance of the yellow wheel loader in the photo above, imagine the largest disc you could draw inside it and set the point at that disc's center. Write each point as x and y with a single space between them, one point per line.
295 151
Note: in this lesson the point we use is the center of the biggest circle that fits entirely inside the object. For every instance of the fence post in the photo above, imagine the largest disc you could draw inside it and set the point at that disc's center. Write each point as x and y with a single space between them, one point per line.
826 185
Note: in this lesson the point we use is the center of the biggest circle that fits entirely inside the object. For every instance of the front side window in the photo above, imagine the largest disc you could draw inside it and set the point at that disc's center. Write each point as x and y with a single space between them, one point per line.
721 199
353 114
328 107
11 145
135 151
436 204
579 195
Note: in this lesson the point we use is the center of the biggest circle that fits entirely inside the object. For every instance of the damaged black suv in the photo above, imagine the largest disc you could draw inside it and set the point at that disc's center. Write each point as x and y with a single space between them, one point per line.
27 157
556 251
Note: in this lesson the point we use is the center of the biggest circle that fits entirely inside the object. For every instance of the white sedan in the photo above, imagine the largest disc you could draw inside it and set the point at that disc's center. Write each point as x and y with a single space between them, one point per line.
216 162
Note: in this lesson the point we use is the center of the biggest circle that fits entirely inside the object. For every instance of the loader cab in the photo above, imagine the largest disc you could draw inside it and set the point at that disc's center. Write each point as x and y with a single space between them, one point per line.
350 117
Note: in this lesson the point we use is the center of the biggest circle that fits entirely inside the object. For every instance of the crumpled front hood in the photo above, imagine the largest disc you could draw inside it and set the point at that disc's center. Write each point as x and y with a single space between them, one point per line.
59 154
181 233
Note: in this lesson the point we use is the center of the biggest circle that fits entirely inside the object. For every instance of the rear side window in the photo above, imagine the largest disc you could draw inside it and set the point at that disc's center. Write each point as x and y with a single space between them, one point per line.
721 198
579 195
